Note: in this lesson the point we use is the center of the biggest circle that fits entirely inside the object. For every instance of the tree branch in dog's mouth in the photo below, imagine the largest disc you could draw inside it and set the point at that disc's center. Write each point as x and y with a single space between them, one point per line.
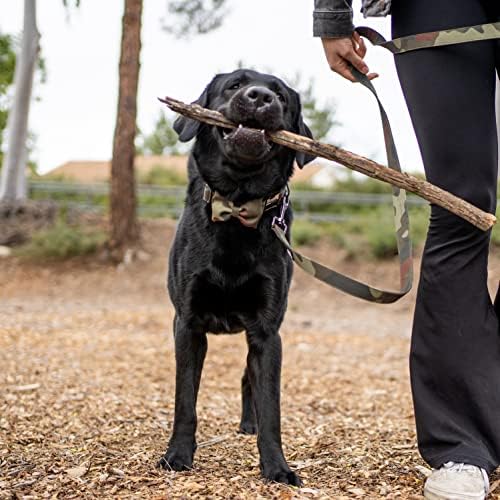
433 194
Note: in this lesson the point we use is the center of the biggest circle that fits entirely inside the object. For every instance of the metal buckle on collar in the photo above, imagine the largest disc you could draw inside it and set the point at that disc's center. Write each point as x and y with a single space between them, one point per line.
279 220
207 194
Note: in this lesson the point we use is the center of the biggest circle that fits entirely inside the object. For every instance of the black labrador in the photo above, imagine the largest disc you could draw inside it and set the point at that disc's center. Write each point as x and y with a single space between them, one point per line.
227 270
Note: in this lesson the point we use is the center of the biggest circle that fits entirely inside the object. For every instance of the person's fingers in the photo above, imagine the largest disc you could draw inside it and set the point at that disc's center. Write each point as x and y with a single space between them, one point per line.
343 53
356 41
344 69
356 61
359 46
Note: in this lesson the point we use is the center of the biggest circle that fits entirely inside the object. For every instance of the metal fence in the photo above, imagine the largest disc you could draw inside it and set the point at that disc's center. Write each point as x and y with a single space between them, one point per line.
158 201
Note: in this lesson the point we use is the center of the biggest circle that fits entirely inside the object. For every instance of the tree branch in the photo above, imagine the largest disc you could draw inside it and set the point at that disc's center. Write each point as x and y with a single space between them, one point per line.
422 188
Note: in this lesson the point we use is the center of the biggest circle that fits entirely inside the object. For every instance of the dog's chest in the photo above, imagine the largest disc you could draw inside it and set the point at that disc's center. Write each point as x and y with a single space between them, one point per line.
216 297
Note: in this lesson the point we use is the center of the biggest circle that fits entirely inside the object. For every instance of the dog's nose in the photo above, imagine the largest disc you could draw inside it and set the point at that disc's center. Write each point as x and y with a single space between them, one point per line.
260 96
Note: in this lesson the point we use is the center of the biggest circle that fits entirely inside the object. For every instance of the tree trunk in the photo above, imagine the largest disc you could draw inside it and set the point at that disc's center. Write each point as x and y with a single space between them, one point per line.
124 226
13 180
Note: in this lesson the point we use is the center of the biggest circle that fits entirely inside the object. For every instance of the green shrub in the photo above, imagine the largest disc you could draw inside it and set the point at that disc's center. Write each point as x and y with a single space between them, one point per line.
369 233
419 224
62 241
305 233
380 232
335 232
381 239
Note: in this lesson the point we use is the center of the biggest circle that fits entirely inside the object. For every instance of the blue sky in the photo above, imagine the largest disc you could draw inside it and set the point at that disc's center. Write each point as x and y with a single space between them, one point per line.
74 118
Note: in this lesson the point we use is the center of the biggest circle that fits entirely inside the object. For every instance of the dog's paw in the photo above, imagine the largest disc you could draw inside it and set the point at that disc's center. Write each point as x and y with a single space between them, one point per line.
248 428
176 460
282 475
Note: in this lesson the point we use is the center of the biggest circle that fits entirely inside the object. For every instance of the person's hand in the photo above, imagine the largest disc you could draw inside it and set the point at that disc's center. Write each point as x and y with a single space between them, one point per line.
340 52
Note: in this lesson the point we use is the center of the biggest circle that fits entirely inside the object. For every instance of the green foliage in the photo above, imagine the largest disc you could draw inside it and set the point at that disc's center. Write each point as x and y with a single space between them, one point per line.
381 239
305 233
7 63
62 241
191 17
320 118
160 176
369 234
8 46
163 140
7 66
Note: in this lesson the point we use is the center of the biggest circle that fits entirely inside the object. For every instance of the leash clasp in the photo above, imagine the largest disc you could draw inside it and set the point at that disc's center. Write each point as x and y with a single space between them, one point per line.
279 220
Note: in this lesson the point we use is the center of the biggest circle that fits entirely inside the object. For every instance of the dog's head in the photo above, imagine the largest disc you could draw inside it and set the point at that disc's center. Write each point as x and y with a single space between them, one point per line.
257 103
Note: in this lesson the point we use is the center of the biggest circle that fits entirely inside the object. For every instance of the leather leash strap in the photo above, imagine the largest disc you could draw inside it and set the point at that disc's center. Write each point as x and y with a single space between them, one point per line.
401 219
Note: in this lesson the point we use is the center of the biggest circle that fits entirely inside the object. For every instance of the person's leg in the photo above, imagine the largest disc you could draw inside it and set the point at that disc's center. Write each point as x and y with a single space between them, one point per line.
455 353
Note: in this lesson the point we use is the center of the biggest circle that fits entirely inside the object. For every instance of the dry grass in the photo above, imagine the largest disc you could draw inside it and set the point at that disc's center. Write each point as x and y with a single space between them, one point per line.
87 383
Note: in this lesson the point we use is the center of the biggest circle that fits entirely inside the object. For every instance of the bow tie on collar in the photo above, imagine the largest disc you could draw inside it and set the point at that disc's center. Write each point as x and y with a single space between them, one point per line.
249 213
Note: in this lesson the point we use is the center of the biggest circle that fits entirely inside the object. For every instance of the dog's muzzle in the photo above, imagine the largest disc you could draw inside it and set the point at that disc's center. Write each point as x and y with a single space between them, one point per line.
248 142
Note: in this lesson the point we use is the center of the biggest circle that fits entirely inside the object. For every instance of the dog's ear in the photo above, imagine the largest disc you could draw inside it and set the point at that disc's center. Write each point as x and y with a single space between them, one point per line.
302 129
187 128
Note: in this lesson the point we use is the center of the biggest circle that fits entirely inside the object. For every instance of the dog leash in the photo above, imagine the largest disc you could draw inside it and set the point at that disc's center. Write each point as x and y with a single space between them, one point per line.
340 281
476 33
345 283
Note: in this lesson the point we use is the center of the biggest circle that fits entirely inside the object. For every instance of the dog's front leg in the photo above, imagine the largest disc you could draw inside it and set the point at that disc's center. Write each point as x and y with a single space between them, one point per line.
264 370
248 423
190 350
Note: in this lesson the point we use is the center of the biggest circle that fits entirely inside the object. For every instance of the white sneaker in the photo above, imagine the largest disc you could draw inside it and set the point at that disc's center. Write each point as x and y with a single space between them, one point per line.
457 482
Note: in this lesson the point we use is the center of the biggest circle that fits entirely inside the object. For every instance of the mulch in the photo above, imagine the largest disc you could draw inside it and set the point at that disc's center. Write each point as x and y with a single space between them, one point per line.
87 385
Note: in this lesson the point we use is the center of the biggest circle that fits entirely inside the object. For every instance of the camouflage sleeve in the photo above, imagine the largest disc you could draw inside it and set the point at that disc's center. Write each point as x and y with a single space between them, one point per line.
376 8
332 18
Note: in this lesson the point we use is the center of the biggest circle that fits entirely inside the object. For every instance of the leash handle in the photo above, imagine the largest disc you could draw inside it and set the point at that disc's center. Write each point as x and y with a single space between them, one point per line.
476 33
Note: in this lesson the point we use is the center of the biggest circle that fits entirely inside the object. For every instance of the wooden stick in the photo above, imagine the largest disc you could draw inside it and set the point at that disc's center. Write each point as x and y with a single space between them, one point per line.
433 194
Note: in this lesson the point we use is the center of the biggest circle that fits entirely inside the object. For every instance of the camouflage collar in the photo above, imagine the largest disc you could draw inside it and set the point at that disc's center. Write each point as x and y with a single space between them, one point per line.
248 213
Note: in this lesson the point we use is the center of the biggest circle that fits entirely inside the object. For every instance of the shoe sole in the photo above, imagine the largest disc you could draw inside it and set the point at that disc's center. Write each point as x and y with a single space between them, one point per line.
429 495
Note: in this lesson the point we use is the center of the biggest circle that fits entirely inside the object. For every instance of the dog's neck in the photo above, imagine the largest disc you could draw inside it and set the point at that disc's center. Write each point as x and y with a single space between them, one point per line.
267 182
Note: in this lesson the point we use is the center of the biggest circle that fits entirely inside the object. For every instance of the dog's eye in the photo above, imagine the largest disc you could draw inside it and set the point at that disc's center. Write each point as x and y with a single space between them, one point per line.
235 86
281 97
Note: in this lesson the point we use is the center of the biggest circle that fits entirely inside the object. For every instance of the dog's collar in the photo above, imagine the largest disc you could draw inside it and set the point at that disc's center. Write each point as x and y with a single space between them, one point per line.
249 213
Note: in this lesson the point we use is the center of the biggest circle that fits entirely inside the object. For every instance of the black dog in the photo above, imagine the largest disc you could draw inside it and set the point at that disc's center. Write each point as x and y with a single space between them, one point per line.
228 272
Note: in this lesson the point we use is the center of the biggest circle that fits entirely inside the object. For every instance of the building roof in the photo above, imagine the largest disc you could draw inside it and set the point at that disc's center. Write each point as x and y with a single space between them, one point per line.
99 171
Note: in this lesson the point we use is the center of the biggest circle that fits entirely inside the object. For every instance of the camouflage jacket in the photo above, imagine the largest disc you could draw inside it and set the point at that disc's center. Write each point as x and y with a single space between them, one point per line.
333 18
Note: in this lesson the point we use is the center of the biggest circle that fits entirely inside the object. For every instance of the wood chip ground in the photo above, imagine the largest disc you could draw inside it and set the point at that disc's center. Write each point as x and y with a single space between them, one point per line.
87 385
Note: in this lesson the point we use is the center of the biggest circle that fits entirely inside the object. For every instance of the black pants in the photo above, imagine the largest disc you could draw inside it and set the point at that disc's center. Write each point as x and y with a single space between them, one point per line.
455 353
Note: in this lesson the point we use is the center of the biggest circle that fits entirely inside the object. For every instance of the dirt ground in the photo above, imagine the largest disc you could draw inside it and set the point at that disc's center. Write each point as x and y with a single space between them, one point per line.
87 386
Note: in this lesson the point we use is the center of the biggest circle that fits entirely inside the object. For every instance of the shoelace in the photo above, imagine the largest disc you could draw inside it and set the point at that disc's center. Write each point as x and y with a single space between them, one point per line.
459 467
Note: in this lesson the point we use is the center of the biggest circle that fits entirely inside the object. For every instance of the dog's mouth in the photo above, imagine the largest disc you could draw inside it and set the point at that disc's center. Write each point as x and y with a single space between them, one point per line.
248 144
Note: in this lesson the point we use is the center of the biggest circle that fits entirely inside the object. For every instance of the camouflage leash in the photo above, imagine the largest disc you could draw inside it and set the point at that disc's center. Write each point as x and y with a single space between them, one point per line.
402 224
479 32
344 283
